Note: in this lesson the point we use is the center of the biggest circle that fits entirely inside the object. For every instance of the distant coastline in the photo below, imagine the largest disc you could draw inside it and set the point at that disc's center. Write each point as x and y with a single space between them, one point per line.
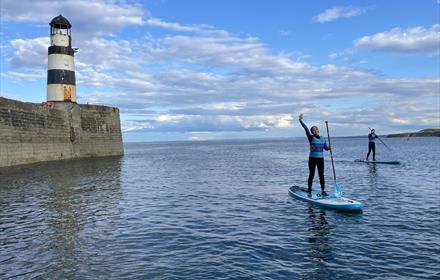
429 132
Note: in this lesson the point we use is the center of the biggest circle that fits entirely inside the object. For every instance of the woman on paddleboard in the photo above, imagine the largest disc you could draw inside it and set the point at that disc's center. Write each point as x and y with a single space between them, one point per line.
371 144
316 156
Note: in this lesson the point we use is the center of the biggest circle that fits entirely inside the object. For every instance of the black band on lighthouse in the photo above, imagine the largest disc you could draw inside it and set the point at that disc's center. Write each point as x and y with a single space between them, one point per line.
60 50
57 76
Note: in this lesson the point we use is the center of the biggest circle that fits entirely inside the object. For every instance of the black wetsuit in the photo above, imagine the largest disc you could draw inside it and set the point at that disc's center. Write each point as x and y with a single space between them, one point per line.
372 145
313 163
316 157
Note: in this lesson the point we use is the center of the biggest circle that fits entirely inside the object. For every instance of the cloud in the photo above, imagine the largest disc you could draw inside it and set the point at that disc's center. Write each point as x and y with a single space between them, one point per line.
202 83
411 40
196 123
193 109
88 18
226 54
35 75
333 56
107 54
177 27
155 22
215 51
95 60
29 53
335 13
201 80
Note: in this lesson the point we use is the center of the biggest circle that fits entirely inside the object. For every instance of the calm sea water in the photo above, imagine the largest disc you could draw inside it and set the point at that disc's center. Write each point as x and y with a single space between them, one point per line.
221 210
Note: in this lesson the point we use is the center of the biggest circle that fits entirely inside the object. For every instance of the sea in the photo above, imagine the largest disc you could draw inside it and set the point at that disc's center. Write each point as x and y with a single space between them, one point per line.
221 210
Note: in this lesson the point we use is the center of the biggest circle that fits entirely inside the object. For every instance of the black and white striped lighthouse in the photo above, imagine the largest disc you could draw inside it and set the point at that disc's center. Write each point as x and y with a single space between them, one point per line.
61 84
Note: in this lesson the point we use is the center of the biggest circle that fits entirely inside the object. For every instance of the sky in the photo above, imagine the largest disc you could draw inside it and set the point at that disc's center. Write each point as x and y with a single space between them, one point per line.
202 70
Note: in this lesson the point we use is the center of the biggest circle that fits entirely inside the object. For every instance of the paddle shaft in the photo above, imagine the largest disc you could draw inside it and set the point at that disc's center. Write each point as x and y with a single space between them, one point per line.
382 141
331 152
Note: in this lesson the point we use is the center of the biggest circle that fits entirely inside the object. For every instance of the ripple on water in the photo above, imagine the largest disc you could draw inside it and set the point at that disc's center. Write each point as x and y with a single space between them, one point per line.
220 210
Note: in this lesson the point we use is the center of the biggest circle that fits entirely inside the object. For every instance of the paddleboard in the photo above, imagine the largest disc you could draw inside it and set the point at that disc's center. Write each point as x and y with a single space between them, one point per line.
328 201
378 162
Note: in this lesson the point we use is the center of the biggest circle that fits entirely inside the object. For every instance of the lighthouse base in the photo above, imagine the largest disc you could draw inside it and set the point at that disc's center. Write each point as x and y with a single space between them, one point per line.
61 92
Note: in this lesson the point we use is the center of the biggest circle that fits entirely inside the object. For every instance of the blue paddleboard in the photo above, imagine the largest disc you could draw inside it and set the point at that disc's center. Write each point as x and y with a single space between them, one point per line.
328 201
378 162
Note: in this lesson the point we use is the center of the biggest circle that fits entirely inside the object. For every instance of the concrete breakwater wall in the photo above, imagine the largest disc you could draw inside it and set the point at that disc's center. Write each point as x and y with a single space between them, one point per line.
33 132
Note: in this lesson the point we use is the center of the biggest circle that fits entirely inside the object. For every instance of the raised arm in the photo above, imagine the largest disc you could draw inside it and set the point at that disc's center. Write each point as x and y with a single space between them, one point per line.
309 135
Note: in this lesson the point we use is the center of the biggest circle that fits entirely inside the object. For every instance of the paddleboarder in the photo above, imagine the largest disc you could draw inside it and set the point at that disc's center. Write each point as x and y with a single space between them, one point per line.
371 144
316 156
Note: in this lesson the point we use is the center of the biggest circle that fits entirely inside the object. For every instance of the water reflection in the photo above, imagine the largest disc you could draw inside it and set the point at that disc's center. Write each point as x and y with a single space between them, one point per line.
57 203
373 175
320 251
372 169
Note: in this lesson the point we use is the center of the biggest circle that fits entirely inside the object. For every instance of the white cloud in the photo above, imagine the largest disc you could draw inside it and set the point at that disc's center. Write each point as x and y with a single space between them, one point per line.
235 84
230 53
198 123
155 22
211 81
411 40
335 13
215 51
95 61
29 53
169 118
399 121
105 54
35 75
173 26
333 56
134 126
243 110
88 18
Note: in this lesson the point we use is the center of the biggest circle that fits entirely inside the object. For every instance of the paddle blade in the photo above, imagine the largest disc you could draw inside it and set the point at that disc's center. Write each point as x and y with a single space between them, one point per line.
337 190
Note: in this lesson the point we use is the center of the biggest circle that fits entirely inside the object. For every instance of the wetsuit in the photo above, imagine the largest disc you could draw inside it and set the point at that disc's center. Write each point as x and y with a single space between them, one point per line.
316 157
372 145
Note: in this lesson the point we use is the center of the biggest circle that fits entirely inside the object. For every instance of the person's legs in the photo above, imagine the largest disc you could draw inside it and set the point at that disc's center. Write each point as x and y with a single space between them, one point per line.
369 149
320 163
373 147
312 166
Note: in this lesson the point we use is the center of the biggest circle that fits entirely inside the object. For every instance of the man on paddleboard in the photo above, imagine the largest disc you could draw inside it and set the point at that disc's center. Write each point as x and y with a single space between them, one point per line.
371 144
316 156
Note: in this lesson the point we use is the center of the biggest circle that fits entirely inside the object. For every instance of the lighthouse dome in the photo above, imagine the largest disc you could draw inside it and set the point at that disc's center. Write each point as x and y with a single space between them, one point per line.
60 22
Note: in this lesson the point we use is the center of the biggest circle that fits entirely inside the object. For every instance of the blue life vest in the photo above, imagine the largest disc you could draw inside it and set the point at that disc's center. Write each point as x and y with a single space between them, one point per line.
372 137
317 147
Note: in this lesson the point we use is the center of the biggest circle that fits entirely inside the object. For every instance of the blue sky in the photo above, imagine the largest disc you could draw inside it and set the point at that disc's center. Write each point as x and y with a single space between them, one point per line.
196 70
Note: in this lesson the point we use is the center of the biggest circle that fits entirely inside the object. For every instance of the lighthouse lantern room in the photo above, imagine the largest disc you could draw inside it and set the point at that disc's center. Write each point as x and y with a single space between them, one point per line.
61 85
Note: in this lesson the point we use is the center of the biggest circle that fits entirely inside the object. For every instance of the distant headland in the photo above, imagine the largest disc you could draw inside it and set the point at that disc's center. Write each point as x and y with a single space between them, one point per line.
429 132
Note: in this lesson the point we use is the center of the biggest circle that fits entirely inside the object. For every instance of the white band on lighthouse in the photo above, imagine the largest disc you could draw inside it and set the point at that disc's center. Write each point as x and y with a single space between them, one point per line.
61 61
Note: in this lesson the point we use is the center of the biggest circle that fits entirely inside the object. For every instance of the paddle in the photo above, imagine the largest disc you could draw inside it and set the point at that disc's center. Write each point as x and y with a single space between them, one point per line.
337 188
382 141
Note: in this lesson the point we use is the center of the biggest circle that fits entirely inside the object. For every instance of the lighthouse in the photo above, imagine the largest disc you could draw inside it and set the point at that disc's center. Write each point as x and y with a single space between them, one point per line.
61 85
